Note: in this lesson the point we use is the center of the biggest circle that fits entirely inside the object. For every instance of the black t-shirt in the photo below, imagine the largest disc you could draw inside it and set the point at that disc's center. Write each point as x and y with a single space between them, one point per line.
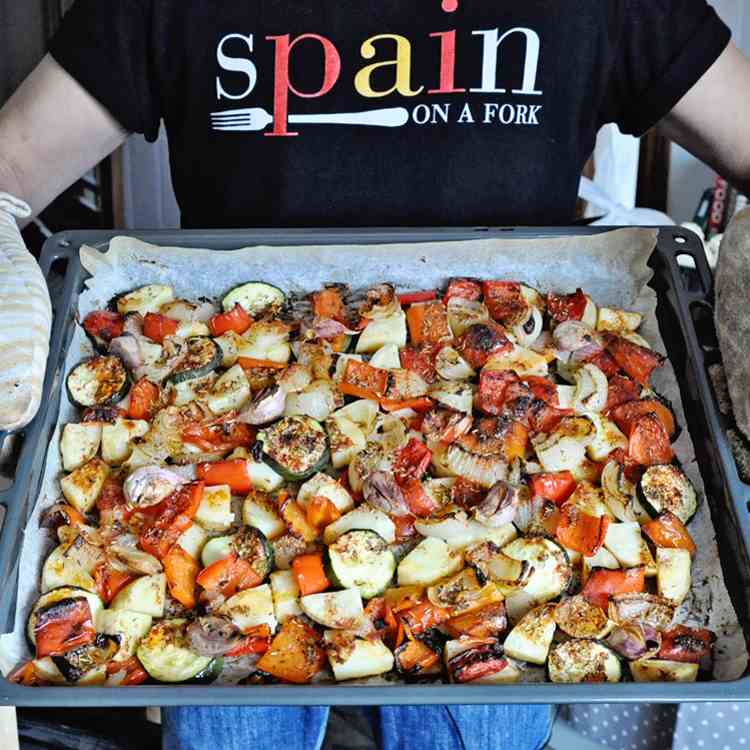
491 107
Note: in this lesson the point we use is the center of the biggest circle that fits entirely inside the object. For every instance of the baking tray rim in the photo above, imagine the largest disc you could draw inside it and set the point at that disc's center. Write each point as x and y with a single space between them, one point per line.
65 246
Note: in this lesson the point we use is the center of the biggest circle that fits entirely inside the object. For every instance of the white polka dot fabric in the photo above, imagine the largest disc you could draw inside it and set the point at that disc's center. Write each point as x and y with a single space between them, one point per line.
689 726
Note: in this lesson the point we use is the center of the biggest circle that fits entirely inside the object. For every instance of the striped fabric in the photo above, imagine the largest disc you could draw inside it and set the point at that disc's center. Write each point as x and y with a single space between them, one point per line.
25 321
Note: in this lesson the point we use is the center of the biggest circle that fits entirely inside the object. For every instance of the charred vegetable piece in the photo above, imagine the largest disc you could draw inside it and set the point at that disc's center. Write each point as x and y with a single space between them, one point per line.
481 341
414 658
637 361
626 414
62 626
76 663
98 382
490 621
567 306
251 545
580 531
428 322
468 289
477 662
649 442
364 381
685 644
505 302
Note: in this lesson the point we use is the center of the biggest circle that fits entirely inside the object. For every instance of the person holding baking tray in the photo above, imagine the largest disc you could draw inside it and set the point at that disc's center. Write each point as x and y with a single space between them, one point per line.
289 113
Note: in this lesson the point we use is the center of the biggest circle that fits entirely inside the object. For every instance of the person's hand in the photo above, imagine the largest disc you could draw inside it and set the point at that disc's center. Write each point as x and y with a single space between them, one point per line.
25 321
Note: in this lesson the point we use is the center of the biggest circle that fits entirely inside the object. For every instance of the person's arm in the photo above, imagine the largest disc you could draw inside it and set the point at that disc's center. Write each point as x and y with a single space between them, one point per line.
51 132
712 121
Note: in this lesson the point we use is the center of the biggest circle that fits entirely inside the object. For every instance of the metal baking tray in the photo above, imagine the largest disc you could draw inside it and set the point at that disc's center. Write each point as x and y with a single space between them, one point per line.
681 307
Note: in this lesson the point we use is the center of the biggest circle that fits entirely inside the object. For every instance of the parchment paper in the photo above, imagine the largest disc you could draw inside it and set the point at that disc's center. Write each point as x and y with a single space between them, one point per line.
611 267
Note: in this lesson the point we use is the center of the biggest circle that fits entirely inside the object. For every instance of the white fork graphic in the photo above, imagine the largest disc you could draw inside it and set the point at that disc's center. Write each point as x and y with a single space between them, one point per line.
257 118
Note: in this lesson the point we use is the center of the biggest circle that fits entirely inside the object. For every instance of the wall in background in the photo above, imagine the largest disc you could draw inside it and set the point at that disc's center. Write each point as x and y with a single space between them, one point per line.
689 177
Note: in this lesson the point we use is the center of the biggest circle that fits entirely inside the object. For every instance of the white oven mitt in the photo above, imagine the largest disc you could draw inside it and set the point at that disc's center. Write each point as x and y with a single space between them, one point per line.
25 321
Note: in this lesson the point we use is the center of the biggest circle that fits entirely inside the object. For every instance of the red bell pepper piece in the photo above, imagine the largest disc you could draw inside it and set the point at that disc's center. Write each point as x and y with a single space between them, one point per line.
604 584
567 306
411 298
412 461
236 320
144 397
235 472
103 324
428 323
649 443
364 381
581 532
467 289
310 573
157 327
419 502
684 644
557 486
109 581
63 626
668 531
637 361
505 301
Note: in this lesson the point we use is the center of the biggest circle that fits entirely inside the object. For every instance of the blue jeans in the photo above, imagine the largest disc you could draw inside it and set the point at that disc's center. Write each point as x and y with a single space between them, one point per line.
397 727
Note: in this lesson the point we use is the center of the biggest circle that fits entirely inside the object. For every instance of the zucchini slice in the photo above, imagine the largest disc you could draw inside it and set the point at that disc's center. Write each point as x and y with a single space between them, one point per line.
251 544
297 447
431 560
59 595
666 488
202 355
579 619
361 559
531 638
145 299
166 654
584 661
340 610
352 657
97 382
255 297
